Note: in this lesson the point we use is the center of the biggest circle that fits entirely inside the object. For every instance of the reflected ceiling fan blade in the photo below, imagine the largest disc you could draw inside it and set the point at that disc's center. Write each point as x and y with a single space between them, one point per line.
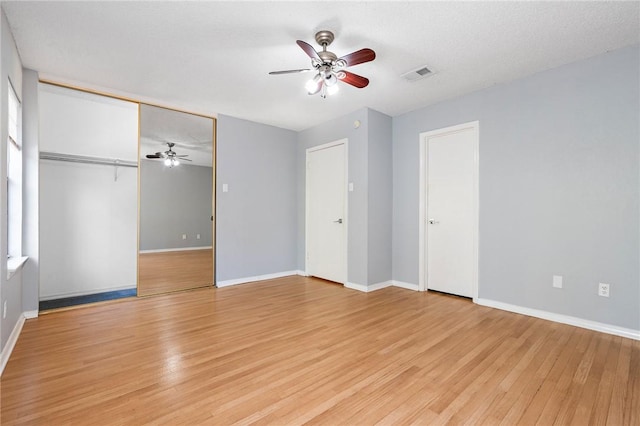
359 57
354 79
308 49
157 155
185 159
288 72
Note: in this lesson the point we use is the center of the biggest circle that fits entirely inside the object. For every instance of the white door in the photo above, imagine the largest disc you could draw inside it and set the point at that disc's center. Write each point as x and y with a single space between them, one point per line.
325 212
451 209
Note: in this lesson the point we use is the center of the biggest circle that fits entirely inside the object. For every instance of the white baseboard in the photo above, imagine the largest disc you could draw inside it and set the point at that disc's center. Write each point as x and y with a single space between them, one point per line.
11 343
85 292
378 286
408 286
368 288
564 319
175 249
227 283
354 286
30 314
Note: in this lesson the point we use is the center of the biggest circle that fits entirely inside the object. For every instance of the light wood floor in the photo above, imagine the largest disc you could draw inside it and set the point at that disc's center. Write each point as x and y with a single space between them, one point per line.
297 350
170 271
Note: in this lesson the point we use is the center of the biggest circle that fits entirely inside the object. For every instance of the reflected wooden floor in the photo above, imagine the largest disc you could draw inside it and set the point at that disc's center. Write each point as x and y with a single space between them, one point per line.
166 272
296 350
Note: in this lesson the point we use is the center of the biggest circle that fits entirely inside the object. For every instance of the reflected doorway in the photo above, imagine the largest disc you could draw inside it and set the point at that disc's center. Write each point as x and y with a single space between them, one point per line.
176 212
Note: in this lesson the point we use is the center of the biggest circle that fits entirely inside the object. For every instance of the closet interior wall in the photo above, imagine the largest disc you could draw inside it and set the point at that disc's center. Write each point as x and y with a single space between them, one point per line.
88 193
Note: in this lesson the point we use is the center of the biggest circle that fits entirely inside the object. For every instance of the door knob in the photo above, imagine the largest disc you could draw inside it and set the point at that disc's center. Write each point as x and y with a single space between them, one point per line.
337 221
433 222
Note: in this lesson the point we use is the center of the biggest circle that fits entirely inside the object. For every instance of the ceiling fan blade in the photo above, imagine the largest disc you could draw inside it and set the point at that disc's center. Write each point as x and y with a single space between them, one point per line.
182 156
185 159
359 57
308 49
354 79
153 156
288 72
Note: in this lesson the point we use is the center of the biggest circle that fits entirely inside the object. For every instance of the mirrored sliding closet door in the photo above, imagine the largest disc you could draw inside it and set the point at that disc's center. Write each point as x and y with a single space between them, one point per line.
176 228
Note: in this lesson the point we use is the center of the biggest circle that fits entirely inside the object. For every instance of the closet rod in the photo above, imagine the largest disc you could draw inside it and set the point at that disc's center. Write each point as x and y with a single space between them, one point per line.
88 160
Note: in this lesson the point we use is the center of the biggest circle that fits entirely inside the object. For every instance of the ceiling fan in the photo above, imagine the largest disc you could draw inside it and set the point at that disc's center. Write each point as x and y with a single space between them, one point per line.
171 158
329 68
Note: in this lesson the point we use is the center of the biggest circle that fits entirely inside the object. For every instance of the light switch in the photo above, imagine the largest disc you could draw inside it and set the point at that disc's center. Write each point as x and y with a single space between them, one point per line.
557 281
350 186
225 187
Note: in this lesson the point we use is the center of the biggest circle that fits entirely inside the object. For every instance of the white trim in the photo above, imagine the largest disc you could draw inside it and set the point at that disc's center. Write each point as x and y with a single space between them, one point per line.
328 145
85 292
227 283
378 286
301 273
563 319
345 142
422 217
354 286
14 264
367 289
11 343
175 249
30 314
407 286
422 213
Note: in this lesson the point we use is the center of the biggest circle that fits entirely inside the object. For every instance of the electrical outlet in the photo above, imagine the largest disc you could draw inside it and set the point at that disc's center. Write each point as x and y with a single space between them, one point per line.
4 310
197 236
603 290
557 281
184 236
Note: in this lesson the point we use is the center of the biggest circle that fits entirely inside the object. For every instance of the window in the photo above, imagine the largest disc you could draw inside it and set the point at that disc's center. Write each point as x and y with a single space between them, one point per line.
14 176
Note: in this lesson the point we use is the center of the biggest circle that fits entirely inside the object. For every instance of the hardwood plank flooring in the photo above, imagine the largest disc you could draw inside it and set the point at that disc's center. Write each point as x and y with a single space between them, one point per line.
167 272
297 350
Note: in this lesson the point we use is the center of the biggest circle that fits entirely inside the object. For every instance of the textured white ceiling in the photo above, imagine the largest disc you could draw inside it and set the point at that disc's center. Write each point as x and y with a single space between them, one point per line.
213 57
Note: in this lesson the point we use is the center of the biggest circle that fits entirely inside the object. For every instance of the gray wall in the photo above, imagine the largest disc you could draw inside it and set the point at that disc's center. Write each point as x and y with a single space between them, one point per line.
175 201
10 290
380 198
559 187
357 220
369 204
256 219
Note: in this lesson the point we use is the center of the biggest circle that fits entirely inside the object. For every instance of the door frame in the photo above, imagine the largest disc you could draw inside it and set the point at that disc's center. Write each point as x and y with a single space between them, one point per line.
424 208
345 220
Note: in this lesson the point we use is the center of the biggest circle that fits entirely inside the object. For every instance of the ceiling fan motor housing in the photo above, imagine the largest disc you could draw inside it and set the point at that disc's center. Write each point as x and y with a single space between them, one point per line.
324 38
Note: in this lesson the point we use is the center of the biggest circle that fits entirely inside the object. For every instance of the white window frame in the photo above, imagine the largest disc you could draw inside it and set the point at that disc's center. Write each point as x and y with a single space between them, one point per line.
14 179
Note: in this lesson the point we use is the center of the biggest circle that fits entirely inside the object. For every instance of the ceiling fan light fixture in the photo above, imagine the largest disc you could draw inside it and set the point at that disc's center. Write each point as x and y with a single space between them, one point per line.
332 90
312 85
171 162
330 79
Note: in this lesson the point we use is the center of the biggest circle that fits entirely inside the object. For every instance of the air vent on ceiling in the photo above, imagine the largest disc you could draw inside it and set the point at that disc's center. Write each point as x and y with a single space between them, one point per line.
417 74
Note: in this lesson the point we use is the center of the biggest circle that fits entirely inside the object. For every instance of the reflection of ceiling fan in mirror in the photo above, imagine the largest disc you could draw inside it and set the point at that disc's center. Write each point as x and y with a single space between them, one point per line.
171 158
